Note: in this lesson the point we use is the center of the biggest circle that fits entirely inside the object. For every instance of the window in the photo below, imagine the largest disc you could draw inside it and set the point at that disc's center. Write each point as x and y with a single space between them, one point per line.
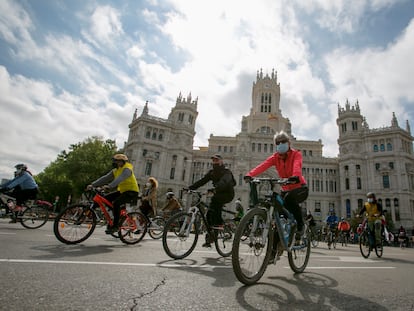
172 173
377 166
148 168
148 134
391 165
375 148
359 183
253 147
354 125
386 181
190 119
259 147
389 147
382 147
347 183
397 209
343 127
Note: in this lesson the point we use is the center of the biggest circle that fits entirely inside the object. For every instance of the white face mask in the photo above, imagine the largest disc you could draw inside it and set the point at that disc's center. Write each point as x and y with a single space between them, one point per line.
148 184
370 200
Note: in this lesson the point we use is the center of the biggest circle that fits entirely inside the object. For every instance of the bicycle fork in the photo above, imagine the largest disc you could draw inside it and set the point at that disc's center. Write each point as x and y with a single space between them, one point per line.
187 224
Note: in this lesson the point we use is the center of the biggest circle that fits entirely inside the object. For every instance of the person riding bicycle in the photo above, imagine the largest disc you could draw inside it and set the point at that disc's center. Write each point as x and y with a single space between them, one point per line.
288 164
373 210
344 227
24 188
149 198
172 205
123 179
223 182
331 225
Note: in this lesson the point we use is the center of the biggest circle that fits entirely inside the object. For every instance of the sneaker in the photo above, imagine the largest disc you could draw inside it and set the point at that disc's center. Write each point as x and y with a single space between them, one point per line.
299 234
110 230
208 245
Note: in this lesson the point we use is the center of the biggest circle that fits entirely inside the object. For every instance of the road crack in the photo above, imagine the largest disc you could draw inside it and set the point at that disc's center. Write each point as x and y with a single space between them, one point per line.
136 299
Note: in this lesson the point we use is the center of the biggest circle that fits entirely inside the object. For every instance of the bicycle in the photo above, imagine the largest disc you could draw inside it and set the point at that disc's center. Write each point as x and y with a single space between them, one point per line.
253 242
314 238
182 230
331 236
365 245
32 215
76 223
343 238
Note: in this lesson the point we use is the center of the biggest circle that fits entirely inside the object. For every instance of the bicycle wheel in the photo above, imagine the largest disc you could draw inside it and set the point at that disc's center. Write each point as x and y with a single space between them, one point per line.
34 217
299 255
180 235
133 228
224 241
74 224
364 245
334 240
251 250
379 249
156 227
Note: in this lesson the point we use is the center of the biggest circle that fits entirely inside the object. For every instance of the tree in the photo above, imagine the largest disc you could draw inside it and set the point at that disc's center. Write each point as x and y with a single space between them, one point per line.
74 169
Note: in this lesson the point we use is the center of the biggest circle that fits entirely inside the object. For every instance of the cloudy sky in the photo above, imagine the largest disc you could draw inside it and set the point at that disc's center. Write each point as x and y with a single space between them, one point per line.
76 69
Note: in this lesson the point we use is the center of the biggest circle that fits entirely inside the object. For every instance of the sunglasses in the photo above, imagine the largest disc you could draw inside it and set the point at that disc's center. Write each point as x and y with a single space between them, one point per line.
281 142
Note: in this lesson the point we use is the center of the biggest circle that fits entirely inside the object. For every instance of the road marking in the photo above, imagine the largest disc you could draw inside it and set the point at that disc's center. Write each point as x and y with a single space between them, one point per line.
8 233
163 265
339 268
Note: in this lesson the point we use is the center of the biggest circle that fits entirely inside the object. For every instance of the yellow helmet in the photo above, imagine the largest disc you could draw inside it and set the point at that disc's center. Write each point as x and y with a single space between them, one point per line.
120 156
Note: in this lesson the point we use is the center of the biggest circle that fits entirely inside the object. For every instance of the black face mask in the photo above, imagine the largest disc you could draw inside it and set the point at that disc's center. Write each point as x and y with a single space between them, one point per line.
114 164
216 166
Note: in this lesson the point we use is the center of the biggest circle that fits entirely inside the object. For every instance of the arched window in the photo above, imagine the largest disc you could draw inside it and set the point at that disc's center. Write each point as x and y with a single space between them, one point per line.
375 148
389 147
382 147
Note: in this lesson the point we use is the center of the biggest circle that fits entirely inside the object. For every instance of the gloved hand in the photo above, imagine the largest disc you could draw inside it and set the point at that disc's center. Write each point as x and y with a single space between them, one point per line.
293 179
247 178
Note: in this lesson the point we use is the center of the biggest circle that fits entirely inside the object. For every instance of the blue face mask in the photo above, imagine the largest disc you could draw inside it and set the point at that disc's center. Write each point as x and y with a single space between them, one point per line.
282 148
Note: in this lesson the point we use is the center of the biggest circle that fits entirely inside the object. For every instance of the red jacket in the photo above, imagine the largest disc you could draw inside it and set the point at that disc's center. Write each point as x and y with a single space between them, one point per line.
291 166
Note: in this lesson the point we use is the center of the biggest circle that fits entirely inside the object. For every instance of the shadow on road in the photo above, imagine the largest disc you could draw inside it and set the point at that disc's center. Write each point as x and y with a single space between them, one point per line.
316 292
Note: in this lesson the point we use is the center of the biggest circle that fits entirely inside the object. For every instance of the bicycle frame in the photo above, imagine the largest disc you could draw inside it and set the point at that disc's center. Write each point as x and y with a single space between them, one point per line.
273 214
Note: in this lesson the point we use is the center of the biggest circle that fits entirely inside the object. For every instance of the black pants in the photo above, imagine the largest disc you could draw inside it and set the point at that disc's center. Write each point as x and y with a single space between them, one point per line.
215 209
118 199
24 195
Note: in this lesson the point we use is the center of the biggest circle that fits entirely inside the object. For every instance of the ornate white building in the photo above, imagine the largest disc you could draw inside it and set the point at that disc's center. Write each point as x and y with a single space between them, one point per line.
378 160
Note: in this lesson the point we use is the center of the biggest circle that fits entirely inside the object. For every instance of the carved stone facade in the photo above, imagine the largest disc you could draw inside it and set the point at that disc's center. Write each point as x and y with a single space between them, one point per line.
377 160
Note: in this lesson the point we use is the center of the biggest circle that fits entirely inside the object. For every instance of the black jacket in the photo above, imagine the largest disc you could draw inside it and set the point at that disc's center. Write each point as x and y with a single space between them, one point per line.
222 178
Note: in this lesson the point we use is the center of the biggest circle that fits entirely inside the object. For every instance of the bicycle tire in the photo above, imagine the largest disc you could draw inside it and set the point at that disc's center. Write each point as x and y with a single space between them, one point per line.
224 240
364 245
251 252
180 235
379 249
133 228
35 216
156 228
299 255
74 224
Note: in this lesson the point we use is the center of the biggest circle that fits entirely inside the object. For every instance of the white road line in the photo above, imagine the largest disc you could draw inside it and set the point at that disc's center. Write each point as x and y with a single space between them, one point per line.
340 268
164 265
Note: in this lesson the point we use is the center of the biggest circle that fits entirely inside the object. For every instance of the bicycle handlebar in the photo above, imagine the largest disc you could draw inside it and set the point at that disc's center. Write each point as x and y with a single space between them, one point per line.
279 181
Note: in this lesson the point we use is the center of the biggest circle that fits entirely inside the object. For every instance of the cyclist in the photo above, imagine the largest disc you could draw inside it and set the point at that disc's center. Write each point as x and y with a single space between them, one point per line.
331 225
149 199
288 164
223 182
344 227
373 210
24 188
123 179
172 205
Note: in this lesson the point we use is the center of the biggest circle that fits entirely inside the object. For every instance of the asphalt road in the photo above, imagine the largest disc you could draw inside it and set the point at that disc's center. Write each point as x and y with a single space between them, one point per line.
37 272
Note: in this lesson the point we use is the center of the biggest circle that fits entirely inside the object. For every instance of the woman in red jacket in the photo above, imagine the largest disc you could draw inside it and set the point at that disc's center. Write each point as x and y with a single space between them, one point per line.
288 164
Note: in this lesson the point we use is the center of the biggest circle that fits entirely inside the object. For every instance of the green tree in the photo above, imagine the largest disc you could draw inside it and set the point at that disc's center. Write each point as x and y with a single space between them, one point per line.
74 169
